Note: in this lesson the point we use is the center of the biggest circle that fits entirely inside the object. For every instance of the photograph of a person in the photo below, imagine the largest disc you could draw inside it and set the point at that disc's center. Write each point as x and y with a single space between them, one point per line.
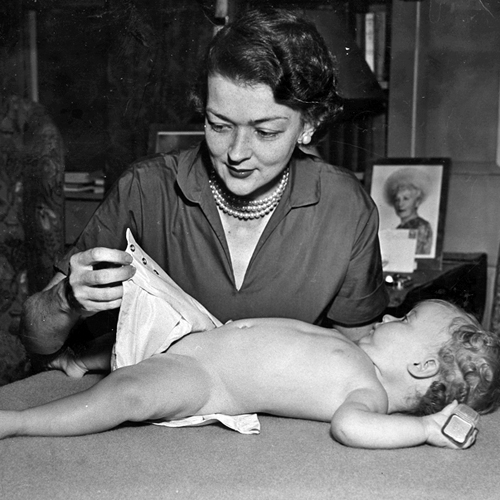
410 195
406 189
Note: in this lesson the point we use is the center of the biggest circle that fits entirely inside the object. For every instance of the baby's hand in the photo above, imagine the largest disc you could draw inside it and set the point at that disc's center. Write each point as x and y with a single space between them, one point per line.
433 425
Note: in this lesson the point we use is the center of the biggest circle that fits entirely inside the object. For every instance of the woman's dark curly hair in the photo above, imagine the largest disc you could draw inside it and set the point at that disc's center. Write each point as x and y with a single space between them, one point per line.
277 49
469 368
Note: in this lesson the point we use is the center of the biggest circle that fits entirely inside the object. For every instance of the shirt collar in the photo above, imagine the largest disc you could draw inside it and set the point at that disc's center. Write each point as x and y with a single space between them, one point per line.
192 173
305 179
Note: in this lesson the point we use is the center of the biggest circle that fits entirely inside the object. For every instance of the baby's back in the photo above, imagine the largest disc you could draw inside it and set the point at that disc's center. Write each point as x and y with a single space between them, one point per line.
279 366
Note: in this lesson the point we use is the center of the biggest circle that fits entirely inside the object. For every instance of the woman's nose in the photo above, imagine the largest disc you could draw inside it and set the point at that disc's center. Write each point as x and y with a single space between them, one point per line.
239 149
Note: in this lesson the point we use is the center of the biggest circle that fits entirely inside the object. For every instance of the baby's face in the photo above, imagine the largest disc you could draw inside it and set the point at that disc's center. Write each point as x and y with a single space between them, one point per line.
423 329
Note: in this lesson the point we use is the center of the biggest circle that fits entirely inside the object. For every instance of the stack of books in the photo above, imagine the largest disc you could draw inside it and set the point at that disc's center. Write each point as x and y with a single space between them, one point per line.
84 182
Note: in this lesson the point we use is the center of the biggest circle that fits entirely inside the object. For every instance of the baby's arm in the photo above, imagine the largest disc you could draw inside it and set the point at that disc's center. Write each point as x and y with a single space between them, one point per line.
359 423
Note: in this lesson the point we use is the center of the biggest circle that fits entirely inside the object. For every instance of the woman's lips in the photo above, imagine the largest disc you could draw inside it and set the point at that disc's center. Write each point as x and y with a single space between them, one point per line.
239 174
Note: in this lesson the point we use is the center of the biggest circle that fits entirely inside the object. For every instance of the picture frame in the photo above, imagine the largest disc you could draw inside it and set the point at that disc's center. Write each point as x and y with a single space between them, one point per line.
164 140
411 193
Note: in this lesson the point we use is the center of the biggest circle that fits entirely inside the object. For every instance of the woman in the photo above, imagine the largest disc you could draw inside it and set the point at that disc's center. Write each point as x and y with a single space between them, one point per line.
405 190
246 222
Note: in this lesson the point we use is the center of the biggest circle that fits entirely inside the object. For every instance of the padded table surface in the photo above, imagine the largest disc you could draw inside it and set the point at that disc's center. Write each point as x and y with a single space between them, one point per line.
290 459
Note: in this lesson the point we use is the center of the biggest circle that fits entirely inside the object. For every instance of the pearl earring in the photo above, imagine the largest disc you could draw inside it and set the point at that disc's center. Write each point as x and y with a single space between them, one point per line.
306 139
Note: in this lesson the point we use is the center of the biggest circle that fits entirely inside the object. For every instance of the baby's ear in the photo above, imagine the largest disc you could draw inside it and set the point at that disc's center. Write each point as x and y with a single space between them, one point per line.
424 369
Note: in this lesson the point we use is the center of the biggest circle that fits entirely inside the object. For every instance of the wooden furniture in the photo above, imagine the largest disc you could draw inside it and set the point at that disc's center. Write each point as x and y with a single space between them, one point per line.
462 280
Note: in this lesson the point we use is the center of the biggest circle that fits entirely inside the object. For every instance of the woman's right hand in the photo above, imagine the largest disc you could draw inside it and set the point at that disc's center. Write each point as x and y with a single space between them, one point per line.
95 278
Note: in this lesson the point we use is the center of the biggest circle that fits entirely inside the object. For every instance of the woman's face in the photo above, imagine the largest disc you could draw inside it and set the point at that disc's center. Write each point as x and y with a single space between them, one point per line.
406 202
250 137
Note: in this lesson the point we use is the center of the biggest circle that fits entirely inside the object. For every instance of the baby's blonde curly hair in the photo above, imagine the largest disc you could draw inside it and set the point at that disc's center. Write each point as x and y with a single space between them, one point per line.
469 368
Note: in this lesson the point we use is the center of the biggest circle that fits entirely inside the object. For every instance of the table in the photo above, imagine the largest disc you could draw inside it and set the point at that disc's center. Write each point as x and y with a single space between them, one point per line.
462 280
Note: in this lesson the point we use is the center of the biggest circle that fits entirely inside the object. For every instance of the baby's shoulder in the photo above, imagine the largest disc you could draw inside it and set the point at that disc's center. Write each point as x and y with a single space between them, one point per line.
358 369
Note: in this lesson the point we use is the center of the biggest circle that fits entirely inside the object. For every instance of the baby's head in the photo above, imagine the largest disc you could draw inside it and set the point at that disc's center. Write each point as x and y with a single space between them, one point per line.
469 367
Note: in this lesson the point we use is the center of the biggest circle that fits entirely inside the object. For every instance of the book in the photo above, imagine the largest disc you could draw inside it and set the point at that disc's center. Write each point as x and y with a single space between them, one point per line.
80 188
371 37
370 40
380 45
84 177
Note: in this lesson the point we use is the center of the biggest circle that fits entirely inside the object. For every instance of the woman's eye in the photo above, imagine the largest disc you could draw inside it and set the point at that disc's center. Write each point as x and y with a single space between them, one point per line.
266 134
218 127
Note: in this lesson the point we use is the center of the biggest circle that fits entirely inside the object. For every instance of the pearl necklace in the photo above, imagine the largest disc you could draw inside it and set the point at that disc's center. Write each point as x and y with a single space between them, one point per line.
241 208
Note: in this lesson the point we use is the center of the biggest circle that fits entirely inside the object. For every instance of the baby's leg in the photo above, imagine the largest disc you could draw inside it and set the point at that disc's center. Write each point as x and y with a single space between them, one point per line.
94 357
69 363
165 386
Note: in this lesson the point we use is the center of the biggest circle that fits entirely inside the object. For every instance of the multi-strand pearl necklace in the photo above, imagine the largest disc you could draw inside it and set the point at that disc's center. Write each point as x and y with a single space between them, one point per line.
244 209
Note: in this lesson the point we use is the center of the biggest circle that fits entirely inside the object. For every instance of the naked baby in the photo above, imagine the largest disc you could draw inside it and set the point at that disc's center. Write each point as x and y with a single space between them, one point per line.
423 364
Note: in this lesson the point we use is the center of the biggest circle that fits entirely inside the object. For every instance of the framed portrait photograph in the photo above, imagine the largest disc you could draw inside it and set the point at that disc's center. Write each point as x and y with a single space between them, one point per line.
411 195
162 140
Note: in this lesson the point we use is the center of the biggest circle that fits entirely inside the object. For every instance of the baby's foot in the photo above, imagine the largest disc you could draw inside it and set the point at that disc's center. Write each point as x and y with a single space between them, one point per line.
68 362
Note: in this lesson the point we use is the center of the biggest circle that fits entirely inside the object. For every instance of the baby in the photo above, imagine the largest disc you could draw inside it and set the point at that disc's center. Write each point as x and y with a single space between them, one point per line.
423 364
434 356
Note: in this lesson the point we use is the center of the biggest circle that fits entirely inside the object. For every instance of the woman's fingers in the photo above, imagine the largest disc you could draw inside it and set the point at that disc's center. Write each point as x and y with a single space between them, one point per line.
96 276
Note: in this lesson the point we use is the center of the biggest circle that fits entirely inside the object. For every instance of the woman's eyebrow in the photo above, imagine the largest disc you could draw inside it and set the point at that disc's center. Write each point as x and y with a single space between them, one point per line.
269 119
253 122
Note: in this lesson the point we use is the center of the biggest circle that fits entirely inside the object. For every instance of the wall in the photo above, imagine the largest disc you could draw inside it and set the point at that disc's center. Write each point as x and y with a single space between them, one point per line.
444 101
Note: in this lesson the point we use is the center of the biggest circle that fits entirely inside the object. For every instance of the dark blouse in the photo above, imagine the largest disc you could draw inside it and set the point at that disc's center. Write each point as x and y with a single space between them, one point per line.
317 257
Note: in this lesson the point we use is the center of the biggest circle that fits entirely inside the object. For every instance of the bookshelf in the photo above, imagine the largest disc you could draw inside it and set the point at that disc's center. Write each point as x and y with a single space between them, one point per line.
360 136
372 36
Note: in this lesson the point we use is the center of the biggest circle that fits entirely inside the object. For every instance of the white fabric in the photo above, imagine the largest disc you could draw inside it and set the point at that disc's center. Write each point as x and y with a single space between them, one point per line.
155 312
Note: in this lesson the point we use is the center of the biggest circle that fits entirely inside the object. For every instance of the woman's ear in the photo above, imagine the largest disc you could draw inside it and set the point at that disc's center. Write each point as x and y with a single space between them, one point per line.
424 369
307 133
